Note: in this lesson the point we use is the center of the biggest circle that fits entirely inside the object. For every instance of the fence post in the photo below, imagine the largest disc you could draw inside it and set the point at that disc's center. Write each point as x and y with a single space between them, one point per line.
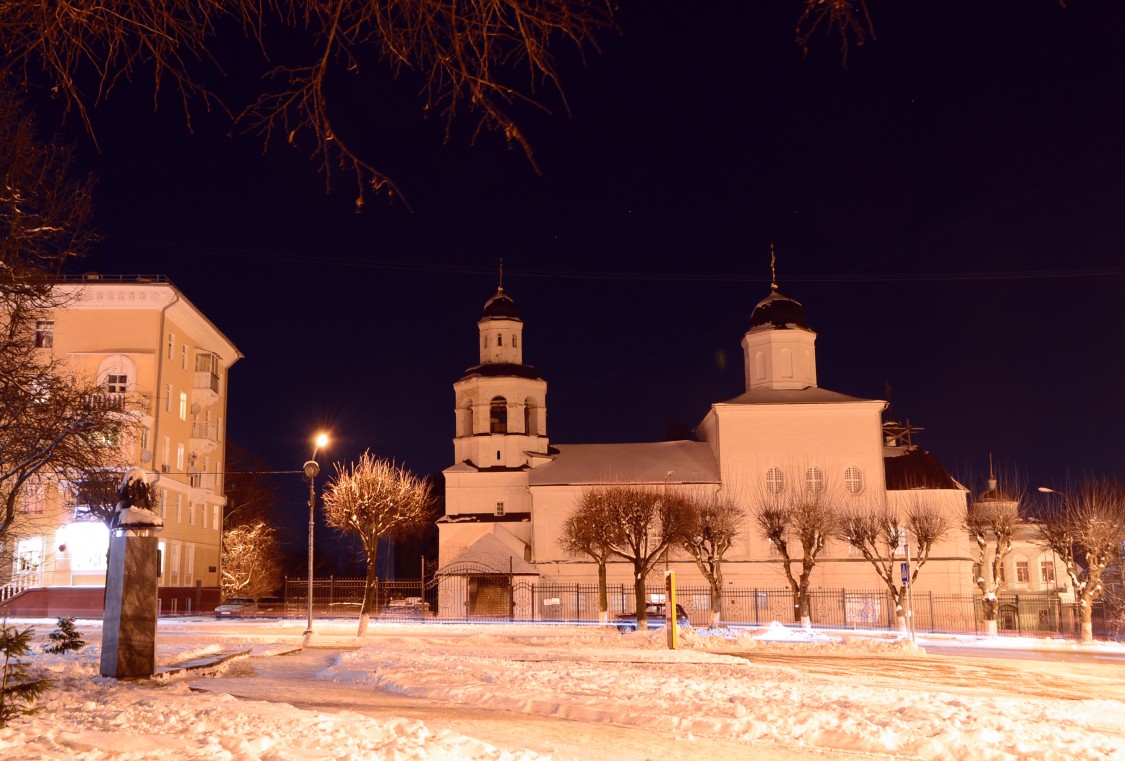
757 622
1019 623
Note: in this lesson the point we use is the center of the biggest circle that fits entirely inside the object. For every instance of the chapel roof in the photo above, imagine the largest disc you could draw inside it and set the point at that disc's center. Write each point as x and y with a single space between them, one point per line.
807 395
778 311
500 307
911 467
650 462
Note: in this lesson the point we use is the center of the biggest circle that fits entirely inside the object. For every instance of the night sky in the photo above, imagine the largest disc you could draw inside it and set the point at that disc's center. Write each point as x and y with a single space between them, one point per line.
947 206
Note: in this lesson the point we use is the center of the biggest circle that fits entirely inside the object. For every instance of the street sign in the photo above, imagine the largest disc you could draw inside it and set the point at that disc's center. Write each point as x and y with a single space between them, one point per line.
905 573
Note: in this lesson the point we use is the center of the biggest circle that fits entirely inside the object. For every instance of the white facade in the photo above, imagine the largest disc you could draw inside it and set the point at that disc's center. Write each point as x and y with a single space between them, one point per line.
783 433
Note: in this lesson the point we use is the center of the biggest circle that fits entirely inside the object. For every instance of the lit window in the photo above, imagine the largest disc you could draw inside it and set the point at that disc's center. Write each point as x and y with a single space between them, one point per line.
179 509
215 517
183 405
853 480
814 479
775 480
1023 572
180 458
44 334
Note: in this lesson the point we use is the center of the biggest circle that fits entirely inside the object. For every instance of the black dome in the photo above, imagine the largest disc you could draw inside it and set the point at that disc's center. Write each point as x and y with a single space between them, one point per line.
777 311
501 306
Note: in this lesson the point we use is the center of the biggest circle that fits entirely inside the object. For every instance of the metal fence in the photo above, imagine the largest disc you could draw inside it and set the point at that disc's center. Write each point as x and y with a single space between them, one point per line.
499 597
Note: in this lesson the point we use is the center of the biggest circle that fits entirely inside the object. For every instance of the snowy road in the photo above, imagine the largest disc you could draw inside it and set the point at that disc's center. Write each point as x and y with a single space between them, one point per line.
292 679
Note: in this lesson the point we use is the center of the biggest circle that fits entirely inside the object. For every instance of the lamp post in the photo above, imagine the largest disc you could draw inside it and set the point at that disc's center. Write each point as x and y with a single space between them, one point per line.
311 469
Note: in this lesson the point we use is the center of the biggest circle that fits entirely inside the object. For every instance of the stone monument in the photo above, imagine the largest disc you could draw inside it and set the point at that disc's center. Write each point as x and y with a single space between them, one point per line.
129 621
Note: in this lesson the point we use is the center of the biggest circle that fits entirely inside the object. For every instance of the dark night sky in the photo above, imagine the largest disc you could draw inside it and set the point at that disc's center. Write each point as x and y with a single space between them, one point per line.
909 195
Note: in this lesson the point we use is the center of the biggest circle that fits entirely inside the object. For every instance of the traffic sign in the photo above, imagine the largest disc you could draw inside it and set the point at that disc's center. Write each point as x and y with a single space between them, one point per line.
905 573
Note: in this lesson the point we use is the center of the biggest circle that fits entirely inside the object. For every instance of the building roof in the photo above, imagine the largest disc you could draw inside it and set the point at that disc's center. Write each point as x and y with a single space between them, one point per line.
687 462
501 369
807 395
911 467
501 307
777 311
487 555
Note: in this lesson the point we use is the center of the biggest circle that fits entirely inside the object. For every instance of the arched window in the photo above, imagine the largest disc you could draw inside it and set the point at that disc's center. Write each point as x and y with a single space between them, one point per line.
853 480
530 418
814 480
116 374
775 480
498 415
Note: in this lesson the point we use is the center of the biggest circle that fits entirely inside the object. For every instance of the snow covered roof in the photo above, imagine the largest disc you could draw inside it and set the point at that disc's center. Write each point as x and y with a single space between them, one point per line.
807 395
689 462
777 311
915 468
501 307
487 555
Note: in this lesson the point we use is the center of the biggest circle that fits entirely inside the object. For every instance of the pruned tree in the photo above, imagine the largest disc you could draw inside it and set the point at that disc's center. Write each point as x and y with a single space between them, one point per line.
877 532
1085 529
251 561
712 522
486 57
642 523
585 532
376 499
798 521
991 521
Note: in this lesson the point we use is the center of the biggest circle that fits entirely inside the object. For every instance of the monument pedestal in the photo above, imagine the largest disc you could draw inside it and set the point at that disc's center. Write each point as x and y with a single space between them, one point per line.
129 622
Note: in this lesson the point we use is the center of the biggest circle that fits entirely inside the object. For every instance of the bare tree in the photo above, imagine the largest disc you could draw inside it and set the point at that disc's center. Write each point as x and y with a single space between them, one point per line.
712 522
486 57
585 532
251 561
251 494
992 520
798 520
641 523
376 499
877 533
1085 529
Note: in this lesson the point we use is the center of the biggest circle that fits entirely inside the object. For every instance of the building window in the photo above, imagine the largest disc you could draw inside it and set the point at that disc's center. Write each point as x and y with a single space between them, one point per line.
513 340
44 334
166 461
168 399
498 415
774 552
1023 572
499 508
34 498
189 563
162 498
1003 574
179 458
814 479
183 356
215 520
775 481
174 563
179 508
530 418
171 344
1047 572
191 513
116 384
183 405
853 480
499 339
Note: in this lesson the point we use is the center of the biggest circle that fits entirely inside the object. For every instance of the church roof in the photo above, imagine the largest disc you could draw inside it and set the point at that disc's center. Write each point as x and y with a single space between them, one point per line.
501 369
777 311
487 555
807 395
911 467
688 461
501 307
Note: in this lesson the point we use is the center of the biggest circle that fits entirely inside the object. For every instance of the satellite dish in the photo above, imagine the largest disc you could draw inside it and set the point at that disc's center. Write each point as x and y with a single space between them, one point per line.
195 408
146 456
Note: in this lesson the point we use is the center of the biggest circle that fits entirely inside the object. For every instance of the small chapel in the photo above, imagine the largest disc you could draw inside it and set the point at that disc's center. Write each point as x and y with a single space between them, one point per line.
511 488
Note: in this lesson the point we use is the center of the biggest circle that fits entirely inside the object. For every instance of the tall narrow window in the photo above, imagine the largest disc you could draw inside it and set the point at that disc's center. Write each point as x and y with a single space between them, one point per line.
514 340
1047 572
168 399
44 334
183 405
498 415
499 339
530 418
183 356
775 480
171 344
814 480
853 480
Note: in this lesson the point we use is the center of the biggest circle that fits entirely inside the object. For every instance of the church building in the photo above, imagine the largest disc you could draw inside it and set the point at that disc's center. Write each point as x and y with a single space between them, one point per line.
511 489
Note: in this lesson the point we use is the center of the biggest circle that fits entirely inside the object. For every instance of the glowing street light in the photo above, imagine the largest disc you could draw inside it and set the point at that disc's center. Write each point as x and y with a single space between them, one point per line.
311 469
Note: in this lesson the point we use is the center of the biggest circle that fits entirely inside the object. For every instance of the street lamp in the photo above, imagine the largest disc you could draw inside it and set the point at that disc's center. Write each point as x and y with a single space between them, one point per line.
311 469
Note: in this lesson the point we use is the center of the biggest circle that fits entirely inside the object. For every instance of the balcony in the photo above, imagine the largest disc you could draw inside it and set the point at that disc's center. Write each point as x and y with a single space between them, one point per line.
202 484
204 437
205 389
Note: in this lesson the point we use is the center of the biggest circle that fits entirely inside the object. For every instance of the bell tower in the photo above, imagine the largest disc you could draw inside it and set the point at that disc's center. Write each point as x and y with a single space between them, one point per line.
779 349
500 402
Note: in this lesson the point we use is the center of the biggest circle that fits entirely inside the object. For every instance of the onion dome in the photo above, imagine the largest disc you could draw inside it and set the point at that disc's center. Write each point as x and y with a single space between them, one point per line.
777 311
501 307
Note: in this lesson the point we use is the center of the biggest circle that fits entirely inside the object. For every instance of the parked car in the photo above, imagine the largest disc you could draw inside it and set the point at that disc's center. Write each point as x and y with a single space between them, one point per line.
654 613
405 607
245 607
236 607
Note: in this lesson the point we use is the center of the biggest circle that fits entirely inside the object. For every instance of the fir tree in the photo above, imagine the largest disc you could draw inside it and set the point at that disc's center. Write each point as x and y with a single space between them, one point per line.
18 690
65 638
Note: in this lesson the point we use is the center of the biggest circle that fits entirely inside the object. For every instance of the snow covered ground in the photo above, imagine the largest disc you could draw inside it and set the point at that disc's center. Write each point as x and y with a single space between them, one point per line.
538 692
